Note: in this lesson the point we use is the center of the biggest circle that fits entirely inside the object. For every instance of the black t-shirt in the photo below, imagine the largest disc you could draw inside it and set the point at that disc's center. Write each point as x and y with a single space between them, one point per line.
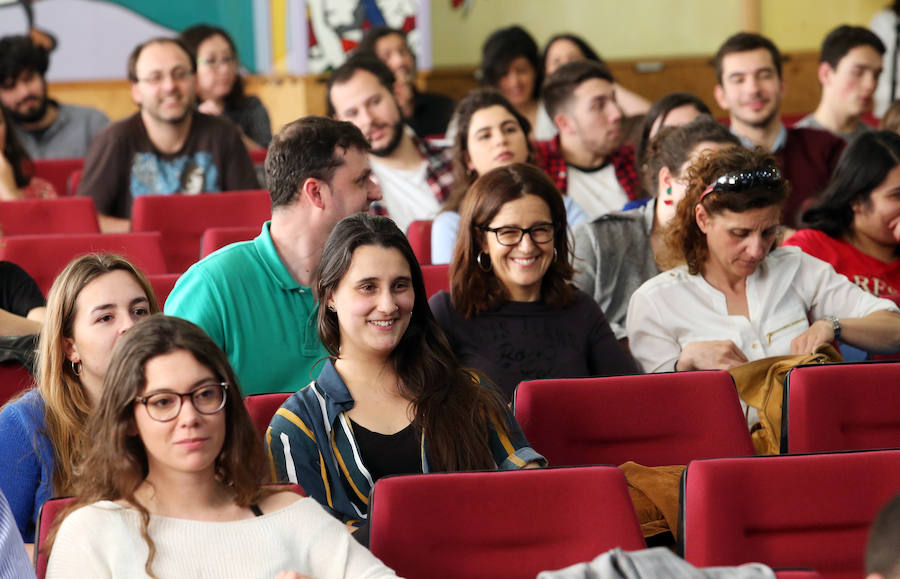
386 454
19 294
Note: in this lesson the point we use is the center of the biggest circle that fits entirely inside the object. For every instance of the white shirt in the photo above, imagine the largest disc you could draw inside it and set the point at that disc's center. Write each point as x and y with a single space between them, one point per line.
597 192
406 194
788 289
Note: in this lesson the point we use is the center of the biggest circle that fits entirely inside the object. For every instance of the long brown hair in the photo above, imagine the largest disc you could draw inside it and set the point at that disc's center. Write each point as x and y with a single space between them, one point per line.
451 407
66 402
686 243
473 290
115 468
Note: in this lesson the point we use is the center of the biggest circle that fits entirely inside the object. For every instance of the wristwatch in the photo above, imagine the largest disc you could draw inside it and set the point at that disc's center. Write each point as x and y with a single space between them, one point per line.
835 324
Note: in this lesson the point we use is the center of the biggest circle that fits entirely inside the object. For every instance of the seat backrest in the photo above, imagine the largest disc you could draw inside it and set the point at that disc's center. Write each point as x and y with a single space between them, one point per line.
841 407
182 219
217 237
652 419
419 235
805 510
500 524
44 256
436 277
47 516
162 285
258 156
40 216
57 171
14 378
73 182
262 407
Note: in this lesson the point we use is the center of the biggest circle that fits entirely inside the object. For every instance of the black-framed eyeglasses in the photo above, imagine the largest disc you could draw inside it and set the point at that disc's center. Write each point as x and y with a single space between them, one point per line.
163 406
767 178
511 235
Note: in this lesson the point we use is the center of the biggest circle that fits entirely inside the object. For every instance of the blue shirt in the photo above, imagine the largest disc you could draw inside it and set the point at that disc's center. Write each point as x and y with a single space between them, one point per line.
14 561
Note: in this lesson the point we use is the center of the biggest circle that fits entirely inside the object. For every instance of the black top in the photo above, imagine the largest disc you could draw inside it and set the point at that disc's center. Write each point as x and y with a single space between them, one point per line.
19 294
385 454
431 114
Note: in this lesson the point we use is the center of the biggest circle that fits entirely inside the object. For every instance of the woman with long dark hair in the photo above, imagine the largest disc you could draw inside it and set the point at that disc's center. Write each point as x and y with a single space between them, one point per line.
17 180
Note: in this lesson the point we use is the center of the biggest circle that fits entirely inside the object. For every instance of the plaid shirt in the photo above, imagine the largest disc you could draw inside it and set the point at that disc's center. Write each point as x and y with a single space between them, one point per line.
548 156
439 172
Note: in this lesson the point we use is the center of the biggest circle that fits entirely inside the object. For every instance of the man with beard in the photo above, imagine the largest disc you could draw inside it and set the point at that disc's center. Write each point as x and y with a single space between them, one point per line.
750 88
167 147
415 175
46 128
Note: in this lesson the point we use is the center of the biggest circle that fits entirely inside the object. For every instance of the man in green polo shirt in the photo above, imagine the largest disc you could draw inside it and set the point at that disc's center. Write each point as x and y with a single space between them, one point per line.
254 298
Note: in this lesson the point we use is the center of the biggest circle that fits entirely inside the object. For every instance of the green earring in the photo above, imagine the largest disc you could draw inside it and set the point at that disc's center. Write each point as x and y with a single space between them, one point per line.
669 190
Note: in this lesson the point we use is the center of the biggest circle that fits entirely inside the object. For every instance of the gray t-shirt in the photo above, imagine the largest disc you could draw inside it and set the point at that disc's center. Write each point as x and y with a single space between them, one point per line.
810 122
68 137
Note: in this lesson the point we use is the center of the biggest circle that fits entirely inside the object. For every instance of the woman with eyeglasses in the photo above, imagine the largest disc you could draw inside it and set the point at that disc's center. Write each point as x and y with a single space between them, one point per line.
174 487
220 87
91 304
734 298
512 312
391 398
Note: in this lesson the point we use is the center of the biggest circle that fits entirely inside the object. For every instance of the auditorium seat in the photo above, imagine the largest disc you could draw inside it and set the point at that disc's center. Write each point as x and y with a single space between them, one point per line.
44 256
182 219
14 377
419 235
218 237
652 419
436 277
46 517
58 172
162 285
262 408
803 510
40 216
500 524
841 407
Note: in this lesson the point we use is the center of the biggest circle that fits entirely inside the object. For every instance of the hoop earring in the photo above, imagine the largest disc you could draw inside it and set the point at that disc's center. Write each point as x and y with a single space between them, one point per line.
76 367
480 261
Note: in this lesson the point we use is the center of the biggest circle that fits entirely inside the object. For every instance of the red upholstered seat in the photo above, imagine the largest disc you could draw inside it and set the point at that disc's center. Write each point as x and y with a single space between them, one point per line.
262 407
182 219
14 378
217 237
419 235
44 256
258 156
58 172
807 510
41 216
48 514
436 277
500 524
841 407
652 419
797 574
162 284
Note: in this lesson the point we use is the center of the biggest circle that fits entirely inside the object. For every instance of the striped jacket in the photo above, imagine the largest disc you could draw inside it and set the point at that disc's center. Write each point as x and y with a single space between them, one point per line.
311 443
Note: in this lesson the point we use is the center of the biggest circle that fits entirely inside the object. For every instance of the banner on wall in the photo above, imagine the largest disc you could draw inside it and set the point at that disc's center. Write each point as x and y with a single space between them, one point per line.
93 38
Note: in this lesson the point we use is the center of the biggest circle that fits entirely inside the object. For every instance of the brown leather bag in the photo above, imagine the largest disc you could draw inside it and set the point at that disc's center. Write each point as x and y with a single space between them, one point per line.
760 384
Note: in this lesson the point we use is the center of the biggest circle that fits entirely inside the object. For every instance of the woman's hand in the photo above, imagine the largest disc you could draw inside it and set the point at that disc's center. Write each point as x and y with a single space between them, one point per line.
211 107
711 355
820 332
291 575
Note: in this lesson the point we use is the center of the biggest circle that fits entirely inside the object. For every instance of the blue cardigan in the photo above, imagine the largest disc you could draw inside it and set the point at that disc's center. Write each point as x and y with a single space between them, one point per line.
26 460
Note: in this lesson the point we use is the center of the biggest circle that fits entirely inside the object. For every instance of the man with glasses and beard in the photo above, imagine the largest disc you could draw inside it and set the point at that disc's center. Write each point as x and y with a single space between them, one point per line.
167 147
46 128
415 175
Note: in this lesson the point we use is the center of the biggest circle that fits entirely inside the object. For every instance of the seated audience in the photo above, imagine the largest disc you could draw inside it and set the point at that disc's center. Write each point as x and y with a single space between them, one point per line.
17 180
882 554
673 110
587 159
734 298
175 488
391 398
849 67
255 298
491 133
619 251
92 302
220 87
512 312
47 129
855 224
510 63
427 113
14 560
167 147
750 87
416 176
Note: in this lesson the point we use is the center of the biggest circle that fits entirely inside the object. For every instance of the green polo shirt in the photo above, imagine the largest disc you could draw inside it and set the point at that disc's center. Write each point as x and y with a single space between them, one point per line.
246 300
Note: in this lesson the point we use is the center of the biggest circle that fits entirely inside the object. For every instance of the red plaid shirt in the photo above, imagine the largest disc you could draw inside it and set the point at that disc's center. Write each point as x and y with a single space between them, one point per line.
439 172
548 157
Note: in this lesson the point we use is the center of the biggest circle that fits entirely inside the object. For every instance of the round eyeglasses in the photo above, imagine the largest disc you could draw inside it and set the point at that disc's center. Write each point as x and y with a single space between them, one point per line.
208 398
510 235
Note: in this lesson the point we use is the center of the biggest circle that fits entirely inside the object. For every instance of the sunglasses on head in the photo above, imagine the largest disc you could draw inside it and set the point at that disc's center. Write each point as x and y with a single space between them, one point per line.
768 178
